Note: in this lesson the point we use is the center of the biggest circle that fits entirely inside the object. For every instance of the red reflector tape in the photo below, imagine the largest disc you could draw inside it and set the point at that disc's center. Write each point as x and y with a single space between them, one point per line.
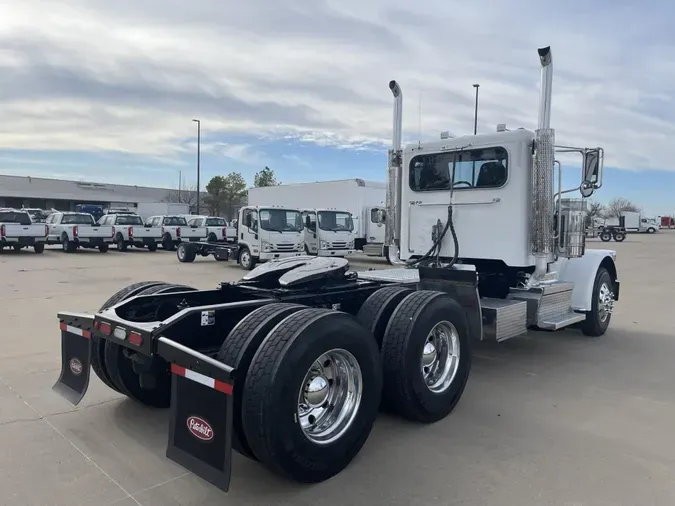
221 386
74 330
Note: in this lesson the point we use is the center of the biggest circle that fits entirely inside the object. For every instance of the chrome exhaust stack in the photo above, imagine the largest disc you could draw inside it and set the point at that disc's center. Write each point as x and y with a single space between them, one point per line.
541 225
394 175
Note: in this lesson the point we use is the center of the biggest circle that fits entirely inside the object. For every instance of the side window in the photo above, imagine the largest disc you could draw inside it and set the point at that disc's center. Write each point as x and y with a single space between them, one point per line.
373 215
475 168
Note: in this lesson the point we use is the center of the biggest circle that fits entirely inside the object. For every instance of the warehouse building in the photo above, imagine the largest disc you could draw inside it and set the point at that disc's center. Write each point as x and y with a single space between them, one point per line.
63 195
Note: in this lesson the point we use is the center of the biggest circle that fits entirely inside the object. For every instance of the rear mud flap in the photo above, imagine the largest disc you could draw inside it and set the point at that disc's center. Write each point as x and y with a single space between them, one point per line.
75 357
200 429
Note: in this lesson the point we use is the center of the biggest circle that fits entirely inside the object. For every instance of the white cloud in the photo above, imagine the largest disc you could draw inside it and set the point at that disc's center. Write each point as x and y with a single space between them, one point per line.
129 76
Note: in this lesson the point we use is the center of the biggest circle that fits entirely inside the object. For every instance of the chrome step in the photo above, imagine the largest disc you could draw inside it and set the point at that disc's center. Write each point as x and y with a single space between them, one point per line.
561 321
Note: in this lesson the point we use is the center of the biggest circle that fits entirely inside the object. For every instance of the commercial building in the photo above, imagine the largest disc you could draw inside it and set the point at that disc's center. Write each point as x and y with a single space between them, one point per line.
44 193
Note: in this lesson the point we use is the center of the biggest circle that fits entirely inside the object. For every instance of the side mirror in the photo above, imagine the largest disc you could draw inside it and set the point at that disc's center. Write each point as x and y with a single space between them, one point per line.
381 216
308 222
591 175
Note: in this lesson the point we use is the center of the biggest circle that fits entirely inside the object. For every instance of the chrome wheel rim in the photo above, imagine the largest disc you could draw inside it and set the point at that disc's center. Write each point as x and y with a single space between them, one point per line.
605 302
181 252
245 257
440 357
330 396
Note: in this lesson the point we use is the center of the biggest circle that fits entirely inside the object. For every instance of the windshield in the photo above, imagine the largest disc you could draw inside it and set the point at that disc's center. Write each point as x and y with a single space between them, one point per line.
129 220
335 220
215 222
175 221
77 219
280 220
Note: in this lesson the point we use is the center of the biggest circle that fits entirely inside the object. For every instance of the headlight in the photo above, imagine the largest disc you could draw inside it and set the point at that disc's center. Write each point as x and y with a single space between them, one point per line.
266 246
324 245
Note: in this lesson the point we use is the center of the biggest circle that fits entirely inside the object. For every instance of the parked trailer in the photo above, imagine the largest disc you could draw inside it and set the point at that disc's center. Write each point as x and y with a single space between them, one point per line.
289 365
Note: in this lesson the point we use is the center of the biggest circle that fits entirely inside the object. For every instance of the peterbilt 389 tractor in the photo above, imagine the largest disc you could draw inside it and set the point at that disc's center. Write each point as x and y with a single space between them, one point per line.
290 365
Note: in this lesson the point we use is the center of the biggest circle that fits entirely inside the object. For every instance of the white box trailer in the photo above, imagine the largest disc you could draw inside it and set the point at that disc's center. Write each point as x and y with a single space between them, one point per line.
359 197
147 209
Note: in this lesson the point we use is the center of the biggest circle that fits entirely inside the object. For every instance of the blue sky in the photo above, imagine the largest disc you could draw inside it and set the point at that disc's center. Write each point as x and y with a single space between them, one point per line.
106 90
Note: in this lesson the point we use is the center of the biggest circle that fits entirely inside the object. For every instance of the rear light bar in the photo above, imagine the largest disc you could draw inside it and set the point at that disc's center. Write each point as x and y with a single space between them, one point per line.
177 231
133 337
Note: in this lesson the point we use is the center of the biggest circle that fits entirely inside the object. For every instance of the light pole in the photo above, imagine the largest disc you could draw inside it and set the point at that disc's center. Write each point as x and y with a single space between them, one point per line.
475 112
180 183
199 133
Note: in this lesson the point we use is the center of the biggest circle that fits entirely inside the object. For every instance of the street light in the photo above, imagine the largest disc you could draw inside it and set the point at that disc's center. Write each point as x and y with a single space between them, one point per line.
199 133
180 183
475 112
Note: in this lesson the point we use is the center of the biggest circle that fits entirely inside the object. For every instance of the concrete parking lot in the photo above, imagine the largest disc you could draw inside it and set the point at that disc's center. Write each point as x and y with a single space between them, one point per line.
549 419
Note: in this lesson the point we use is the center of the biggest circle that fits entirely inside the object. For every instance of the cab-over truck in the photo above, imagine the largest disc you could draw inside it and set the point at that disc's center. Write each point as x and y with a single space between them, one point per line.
289 366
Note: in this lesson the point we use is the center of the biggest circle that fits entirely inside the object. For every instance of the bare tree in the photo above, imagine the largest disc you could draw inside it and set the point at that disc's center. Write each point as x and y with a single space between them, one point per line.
619 205
595 210
187 196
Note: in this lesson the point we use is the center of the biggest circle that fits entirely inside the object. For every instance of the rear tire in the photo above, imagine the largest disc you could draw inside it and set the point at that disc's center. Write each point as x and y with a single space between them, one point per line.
238 350
378 308
212 238
186 252
167 243
605 236
619 236
422 382
121 371
98 345
39 247
277 396
597 319
68 245
119 240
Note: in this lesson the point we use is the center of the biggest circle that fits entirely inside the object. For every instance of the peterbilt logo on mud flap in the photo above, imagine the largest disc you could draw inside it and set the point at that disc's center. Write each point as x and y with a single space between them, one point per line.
75 366
199 428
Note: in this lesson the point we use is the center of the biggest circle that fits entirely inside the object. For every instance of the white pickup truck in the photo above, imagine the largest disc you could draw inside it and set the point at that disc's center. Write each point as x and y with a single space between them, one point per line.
128 230
175 229
216 228
17 231
77 230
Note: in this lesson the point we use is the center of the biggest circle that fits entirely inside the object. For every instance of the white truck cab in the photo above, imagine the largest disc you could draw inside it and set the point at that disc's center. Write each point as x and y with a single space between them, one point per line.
485 218
328 232
268 233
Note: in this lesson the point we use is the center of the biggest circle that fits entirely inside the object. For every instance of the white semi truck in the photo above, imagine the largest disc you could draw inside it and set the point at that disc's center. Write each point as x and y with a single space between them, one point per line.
363 199
633 221
307 350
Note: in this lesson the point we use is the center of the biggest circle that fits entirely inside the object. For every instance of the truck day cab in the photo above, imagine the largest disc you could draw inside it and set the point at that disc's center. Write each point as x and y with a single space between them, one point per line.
328 232
268 233
18 231
307 350
364 200
77 230
128 230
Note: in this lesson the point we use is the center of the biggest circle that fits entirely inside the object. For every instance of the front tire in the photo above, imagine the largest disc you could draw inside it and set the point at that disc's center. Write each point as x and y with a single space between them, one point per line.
246 260
425 356
312 394
598 318
651 230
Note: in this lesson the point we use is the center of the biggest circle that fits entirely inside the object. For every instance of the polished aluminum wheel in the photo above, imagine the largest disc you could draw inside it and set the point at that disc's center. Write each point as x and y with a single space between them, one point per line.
330 396
181 252
245 258
605 302
440 357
